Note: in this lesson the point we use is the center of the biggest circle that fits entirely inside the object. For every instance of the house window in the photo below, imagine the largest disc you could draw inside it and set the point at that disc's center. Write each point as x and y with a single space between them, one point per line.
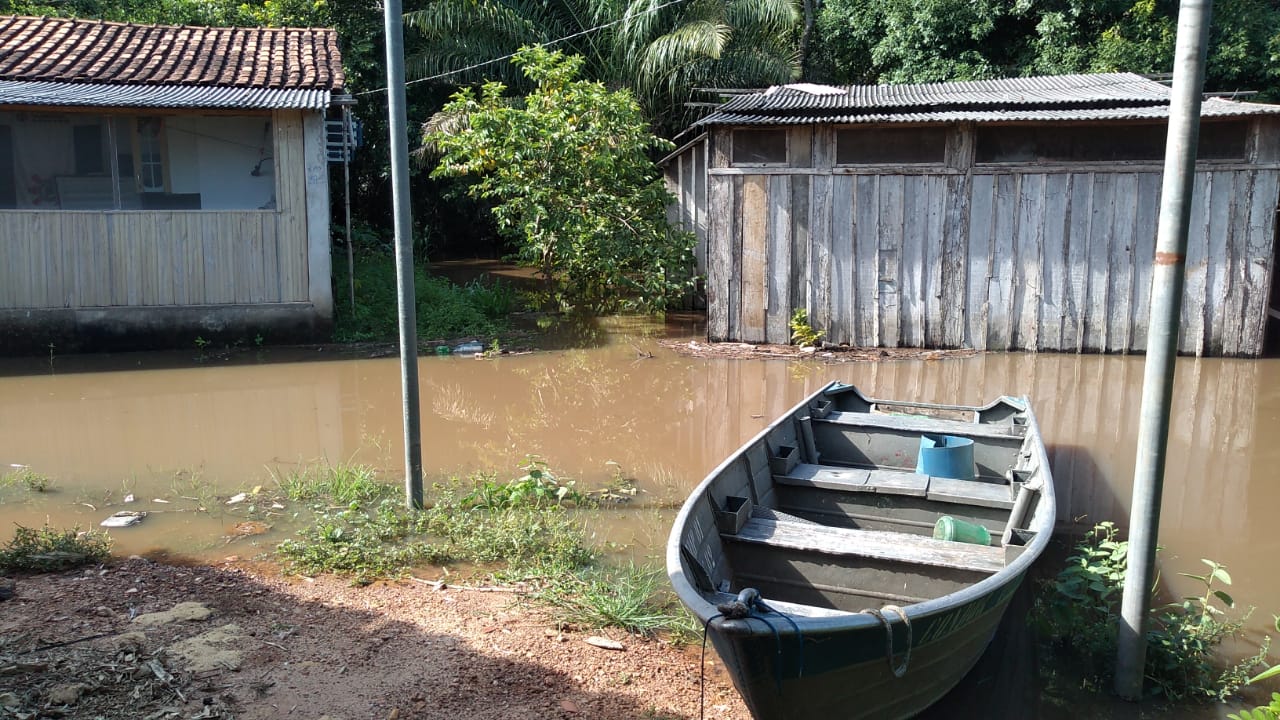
891 146
85 161
8 188
760 147
149 154
89 149
1223 141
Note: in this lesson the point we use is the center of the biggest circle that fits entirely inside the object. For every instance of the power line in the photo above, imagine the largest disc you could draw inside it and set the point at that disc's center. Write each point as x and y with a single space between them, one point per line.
549 43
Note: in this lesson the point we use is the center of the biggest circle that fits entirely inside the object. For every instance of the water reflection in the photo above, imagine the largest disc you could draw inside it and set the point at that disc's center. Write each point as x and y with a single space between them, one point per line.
159 430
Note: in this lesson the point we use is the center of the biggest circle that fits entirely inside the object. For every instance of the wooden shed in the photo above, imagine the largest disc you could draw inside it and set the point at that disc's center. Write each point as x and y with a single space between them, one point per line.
159 184
996 215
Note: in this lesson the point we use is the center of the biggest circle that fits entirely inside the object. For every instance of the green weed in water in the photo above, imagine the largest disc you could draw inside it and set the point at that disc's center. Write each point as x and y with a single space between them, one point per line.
331 485
28 478
48 549
538 487
529 534
356 542
1080 611
444 310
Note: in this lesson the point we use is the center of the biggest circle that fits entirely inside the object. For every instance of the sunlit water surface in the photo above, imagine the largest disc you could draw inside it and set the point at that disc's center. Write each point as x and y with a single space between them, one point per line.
194 430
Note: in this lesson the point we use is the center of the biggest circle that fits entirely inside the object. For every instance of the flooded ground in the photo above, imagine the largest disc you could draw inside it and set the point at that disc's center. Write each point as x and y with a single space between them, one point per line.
196 429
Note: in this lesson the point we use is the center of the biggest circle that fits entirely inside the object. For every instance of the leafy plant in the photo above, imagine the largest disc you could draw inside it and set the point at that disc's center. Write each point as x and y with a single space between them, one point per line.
569 173
365 545
28 478
802 333
1079 613
340 485
444 310
1270 711
49 549
538 487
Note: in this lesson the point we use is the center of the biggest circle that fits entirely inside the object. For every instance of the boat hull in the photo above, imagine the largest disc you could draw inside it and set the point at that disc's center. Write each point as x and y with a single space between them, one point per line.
863 612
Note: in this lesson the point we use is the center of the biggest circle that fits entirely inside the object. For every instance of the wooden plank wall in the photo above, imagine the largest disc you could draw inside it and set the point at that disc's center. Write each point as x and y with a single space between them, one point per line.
1030 258
84 259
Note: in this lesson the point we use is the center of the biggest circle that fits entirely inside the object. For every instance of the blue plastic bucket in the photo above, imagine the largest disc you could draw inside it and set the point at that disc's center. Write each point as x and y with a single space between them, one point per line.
946 456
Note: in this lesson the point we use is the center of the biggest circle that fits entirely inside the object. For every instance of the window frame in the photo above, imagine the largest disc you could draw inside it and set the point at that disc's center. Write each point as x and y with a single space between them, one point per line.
786 146
941 161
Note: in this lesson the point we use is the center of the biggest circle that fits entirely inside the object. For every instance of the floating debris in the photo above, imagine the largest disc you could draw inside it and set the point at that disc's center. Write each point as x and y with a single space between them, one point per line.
124 518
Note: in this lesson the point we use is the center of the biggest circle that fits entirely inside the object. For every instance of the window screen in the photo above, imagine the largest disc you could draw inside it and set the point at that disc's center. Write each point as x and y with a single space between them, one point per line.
890 146
1101 143
759 147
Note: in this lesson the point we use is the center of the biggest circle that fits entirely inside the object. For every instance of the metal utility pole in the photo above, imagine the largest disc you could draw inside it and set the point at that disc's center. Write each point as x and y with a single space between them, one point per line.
1162 340
393 22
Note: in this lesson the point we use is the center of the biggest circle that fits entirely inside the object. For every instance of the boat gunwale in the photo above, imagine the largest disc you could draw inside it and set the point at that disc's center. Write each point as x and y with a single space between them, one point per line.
706 612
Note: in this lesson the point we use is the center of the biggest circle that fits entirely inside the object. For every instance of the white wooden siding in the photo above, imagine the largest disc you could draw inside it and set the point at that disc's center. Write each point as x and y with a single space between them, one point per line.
91 259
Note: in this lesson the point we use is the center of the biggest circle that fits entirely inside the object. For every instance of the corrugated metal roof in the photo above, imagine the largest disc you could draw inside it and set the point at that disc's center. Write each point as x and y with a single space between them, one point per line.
1210 108
1113 96
67 50
159 96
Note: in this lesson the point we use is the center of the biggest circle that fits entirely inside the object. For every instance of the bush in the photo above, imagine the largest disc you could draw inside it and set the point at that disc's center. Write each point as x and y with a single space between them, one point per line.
1080 611
48 549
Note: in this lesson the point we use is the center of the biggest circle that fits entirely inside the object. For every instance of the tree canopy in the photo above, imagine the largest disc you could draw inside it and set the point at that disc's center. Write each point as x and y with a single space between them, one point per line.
568 171
659 49
877 41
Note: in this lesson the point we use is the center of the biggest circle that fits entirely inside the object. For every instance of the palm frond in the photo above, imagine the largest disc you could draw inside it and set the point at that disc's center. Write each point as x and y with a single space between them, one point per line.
688 42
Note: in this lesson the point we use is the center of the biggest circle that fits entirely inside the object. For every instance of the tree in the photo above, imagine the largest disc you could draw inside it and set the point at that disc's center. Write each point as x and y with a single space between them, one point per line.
659 49
568 172
871 41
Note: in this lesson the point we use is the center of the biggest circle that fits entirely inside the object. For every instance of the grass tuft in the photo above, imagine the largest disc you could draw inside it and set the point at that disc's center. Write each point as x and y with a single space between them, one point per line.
335 485
28 478
629 597
48 549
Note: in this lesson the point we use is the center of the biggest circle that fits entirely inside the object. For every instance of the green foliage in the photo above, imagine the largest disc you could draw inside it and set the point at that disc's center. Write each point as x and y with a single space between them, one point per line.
48 549
335 485
444 310
538 487
802 333
533 535
363 544
1080 613
568 172
28 478
1270 711
659 54
877 41
630 597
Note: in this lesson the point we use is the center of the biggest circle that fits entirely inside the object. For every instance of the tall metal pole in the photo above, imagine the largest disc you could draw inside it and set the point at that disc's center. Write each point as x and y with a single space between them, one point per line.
393 22
346 198
1162 340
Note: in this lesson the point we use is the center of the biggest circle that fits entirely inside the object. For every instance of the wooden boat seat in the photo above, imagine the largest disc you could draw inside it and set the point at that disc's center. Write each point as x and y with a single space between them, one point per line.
874 544
923 425
899 482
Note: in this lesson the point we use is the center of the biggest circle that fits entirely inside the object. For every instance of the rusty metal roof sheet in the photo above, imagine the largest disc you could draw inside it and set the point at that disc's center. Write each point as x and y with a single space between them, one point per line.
1113 96
94 52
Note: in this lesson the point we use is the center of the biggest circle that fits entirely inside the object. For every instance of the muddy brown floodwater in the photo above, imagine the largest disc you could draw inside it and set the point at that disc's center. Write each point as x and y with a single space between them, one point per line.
168 426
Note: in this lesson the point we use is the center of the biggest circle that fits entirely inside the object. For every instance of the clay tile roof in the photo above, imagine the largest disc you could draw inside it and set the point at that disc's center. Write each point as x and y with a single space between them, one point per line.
64 50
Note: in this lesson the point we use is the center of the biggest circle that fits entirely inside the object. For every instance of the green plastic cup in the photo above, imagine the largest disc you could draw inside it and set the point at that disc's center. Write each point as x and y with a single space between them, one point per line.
949 528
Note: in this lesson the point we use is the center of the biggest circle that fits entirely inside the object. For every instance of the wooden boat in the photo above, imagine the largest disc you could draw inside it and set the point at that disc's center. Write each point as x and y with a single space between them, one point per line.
810 555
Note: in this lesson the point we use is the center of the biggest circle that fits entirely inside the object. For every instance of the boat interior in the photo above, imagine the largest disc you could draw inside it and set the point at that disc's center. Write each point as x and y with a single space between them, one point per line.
827 513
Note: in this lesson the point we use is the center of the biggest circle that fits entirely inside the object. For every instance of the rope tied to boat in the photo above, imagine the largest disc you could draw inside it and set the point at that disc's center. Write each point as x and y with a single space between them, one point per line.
748 605
898 670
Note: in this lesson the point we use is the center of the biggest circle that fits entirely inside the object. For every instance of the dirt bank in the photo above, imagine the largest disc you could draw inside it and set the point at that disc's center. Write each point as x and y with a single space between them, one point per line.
141 639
